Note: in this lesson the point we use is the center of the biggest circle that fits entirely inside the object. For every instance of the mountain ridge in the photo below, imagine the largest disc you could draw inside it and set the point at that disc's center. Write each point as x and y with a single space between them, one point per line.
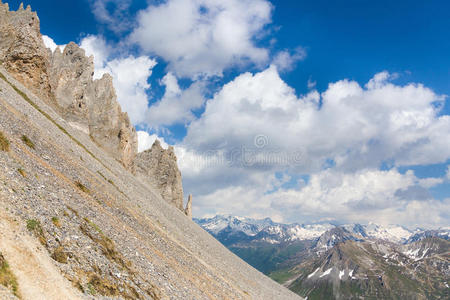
295 231
343 261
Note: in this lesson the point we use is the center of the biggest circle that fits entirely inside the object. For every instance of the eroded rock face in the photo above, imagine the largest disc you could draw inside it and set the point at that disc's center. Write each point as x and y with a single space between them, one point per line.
22 51
71 83
91 105
159 167
65 80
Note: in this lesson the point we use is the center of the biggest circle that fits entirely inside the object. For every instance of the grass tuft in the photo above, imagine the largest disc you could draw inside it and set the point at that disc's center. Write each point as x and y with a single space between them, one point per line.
7 278
35 227
56 221
22 172
4 143
27 141
82 187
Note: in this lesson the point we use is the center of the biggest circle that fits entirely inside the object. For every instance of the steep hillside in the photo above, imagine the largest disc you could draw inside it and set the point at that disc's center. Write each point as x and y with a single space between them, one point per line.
75 221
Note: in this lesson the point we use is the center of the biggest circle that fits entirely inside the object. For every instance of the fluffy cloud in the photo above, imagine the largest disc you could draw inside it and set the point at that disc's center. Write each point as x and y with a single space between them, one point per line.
256 128
286 60
130 80
380 196
177 105
349 126
130 75
49 42
203 37
384 197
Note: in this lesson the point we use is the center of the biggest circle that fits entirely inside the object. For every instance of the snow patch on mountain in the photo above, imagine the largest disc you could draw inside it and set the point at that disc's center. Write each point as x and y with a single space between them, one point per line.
327 272
392 233
313 273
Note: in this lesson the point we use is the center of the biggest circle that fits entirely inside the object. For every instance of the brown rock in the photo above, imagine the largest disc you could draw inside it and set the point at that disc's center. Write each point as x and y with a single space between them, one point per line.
158 167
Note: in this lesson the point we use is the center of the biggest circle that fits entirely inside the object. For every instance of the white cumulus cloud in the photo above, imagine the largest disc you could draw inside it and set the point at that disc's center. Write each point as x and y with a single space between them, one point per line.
256 126
203 37
286 60
176 105
49 42
354 127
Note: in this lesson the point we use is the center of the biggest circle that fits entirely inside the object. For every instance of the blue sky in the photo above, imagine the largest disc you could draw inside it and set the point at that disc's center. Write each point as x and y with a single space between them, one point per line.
310 44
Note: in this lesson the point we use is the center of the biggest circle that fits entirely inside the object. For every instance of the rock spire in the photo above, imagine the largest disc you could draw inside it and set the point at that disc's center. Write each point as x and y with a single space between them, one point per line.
158 167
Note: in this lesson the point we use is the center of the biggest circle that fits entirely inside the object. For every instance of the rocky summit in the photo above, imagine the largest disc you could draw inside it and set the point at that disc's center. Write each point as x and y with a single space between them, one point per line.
158 167
82 215
64 80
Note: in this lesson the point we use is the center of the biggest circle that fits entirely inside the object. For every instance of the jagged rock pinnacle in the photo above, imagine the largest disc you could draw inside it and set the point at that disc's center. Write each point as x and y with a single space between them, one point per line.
188 209
65 81
158 167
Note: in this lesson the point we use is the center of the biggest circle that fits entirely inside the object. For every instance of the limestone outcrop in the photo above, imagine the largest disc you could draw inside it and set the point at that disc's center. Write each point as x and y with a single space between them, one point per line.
91 105
188 209
158 167
65 81
22 51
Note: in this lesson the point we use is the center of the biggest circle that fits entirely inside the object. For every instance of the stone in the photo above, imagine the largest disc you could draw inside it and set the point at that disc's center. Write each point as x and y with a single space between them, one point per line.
158 167
188 209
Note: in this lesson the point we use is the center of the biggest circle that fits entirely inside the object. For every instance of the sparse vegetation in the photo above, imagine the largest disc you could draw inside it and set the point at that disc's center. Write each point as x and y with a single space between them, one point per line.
60 255
75 212
93 225
98 284
106 244
26 98
82 187
91 289
22 172
35 227
27 141
7 278
109 180
4 143
56 221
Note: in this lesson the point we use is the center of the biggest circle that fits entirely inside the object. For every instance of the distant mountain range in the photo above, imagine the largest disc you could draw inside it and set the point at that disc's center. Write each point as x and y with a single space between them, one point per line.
351 261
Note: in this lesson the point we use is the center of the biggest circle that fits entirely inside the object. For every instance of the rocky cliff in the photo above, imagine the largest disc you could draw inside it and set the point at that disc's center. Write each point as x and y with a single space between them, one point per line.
22 51
159 168
65 81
